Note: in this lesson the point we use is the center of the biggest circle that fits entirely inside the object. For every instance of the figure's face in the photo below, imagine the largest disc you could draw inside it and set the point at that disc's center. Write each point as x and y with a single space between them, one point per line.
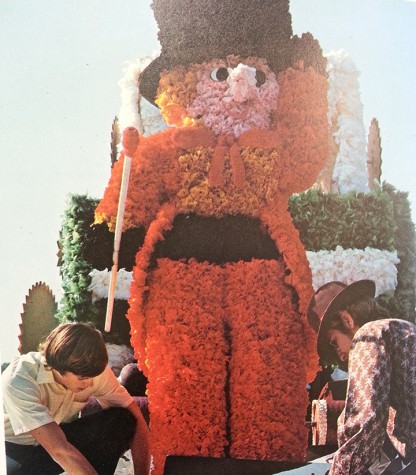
73 382
234 96
229 96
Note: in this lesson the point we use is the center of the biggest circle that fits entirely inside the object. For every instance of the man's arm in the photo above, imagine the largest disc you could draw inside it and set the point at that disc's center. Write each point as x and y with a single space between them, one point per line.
54 441
140 444
362 425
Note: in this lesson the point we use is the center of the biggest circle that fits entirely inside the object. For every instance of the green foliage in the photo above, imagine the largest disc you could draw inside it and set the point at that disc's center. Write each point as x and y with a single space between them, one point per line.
76 303
402 304
327 220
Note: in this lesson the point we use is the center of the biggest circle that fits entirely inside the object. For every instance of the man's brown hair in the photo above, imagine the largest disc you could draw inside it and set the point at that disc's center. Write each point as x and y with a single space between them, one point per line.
75 347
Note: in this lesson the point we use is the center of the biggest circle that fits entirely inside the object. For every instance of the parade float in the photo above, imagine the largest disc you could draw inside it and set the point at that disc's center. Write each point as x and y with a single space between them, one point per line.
250 182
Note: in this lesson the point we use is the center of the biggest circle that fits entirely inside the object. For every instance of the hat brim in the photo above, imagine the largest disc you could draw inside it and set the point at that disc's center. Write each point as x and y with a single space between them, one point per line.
149 79
358 290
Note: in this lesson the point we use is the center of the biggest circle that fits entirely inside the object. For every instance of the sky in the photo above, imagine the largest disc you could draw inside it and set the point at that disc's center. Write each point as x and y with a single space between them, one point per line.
60 65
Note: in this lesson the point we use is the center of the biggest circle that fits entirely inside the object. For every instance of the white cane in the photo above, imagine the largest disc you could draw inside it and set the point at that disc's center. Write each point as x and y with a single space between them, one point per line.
117 238
130 135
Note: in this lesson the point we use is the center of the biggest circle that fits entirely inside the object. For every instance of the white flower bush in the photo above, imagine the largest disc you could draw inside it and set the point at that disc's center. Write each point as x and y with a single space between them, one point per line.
345 117
100 281
349 265
118 357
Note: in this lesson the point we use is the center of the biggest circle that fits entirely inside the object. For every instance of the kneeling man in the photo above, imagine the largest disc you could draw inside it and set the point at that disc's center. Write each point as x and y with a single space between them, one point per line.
43 394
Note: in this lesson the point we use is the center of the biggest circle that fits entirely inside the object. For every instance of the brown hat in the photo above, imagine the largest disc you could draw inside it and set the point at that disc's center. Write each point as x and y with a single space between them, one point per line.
332 298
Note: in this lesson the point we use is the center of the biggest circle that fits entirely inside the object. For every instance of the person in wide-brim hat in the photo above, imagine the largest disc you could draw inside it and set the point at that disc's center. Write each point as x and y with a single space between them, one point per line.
380 351
325 312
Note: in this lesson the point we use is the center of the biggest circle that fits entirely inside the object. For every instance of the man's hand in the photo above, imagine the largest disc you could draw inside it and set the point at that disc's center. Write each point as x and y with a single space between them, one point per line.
54 441
140 444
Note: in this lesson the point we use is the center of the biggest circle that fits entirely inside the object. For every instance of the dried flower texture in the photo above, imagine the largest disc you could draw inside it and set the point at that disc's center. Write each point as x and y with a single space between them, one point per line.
197 317
267 396
187 358
245 96
160 171
168 303
162 223
196 196
302 128
298 273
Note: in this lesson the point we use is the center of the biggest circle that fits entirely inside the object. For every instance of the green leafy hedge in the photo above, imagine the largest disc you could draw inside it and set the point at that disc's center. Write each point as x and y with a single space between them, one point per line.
402 304
355 221
76 303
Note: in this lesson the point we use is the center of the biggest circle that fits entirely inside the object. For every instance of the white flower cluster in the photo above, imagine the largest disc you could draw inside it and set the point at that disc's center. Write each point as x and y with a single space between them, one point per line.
135 110
118 357
349 265
100 282
345 116
242 82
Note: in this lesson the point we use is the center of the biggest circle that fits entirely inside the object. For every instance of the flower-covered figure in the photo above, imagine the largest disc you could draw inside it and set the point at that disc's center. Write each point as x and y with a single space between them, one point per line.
221 282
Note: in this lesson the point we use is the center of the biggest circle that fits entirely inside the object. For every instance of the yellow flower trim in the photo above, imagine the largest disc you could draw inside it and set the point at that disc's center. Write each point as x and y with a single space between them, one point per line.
195 195
177 89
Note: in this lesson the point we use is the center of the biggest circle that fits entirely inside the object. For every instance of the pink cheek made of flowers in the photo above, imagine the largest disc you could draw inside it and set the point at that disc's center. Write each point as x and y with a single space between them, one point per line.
224 116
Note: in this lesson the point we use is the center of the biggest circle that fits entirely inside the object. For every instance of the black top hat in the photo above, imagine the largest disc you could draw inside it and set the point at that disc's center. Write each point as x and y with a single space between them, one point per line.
194 31
332 298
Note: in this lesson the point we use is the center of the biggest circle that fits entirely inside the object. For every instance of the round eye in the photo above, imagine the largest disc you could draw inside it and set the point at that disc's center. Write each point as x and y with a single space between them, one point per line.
260 78
219 74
